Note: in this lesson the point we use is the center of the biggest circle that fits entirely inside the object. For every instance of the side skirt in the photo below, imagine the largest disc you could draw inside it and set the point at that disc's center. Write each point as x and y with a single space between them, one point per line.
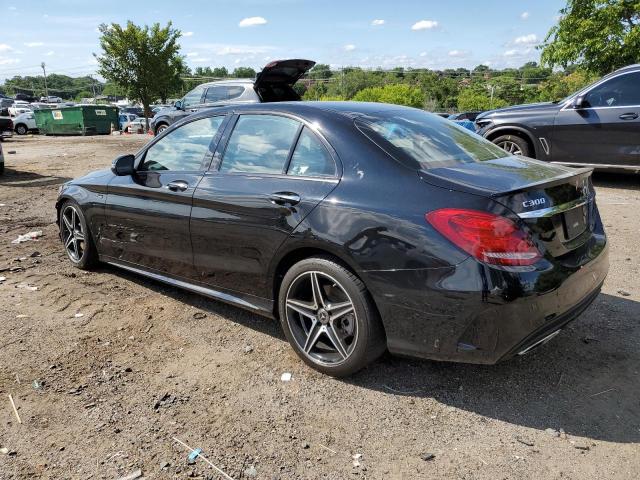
257 305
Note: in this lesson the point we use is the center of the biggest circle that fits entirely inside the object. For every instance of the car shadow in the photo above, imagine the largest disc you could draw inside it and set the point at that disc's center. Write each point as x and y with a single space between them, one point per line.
585 381
17 178
626 181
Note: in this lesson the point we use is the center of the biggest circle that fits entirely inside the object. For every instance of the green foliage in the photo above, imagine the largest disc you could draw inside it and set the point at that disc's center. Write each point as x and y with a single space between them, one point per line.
320 71
475 100
399 94
244 72
60 85
598 35
144 61
560 86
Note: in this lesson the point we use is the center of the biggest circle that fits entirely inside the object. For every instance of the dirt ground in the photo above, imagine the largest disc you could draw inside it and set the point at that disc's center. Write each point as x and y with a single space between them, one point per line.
106 368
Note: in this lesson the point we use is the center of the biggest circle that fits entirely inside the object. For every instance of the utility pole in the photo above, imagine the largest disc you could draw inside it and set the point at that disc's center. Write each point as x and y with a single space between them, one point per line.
46 90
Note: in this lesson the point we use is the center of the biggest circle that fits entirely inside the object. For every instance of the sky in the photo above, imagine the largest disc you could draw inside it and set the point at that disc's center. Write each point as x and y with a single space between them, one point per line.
409 33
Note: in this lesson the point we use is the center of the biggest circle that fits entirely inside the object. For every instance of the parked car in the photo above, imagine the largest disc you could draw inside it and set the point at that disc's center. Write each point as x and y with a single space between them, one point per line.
5 103
464 116
1 160
137 111
6 127
273 84
26 98
598 126
137 125
51 99
361 226
19 107
24 123
124 119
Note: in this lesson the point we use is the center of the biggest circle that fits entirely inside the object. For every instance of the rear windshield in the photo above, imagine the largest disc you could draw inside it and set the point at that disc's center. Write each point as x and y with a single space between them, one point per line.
427 139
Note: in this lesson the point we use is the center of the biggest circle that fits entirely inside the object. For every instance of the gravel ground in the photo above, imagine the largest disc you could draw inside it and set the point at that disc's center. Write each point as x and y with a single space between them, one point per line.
106 368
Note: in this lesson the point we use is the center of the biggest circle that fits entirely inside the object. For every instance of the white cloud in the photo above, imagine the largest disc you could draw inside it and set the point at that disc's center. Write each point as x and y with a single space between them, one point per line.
234 49
377 22
511 53
423 54
458 53
12 8
8 61
187 34
524 15
425 25
33 44
5 48
252 21
202 60
49 53
349 47
526 39
192 54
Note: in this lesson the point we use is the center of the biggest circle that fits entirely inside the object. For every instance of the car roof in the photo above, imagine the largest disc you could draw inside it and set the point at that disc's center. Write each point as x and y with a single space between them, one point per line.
231 81
345 109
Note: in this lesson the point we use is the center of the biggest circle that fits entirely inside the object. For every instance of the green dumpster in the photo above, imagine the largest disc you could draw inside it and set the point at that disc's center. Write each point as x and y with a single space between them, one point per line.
78 120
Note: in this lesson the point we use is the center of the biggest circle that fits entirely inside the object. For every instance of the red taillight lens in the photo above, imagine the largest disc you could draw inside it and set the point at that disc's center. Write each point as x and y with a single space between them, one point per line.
488 237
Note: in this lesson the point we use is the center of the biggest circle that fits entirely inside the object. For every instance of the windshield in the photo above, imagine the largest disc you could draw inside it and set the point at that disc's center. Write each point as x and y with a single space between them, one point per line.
427 139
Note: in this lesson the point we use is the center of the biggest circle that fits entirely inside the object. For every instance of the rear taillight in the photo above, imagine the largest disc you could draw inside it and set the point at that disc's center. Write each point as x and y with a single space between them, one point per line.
489 238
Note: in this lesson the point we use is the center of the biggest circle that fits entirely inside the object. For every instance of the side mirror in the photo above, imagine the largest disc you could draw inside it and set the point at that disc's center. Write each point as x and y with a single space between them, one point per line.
578 102
123 165
178 104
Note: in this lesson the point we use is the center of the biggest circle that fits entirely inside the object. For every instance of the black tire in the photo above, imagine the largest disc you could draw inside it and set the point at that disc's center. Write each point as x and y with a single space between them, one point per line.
367 339
161 128
86 256
514 144
21 129
1 168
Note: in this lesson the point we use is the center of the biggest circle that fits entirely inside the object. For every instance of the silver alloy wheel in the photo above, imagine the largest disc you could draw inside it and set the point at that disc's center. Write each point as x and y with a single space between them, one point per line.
322 318
162 128
21 130
510 147
73 235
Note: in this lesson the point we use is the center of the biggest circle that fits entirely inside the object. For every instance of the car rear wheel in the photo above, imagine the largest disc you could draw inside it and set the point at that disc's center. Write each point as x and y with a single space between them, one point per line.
161 128
513 144
329 318
76 237
21 129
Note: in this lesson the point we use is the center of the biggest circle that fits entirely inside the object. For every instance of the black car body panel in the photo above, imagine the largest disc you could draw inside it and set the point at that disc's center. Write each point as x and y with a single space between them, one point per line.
226 237
597 127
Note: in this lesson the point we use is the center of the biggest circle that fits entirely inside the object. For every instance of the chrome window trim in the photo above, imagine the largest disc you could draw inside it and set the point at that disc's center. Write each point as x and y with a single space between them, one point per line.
586 90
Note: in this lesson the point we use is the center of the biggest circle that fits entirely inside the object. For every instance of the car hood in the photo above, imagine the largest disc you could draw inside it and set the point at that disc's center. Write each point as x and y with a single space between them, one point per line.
530 107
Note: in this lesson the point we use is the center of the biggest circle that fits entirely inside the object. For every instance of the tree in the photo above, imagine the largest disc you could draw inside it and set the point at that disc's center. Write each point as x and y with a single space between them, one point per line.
598 35
474 100
400 94
143 61
244 72
320 71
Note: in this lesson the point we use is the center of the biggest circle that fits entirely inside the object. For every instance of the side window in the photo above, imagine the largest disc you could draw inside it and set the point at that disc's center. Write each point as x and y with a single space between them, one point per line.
617 92
184 148
234 92
310 158
193 97
259 144
215 94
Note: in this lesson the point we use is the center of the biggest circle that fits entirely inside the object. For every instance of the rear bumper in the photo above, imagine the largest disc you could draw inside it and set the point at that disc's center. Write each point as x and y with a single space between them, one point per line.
477 314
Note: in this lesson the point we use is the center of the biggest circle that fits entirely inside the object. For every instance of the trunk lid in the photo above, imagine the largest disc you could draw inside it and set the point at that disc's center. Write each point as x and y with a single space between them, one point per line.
275 82
555 203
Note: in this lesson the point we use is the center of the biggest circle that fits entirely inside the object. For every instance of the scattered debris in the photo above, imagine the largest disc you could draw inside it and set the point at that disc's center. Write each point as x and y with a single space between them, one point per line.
191 459
552 431
90 405
35 254
285 377
405 392
327 448
199 315
251 471
11 152
78 315
248 349
4 450
26 286
15 410
164 465
624 293
581 447
524 442
204 458
427 457
305 445
600 393
588 340
27 236
149 327
2 279
132 476
37 384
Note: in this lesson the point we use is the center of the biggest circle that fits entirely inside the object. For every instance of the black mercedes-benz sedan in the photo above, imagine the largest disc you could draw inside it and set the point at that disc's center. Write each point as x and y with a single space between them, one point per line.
362 227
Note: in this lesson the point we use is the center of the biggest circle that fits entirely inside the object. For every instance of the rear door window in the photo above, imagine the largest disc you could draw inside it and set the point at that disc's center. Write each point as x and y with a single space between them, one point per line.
221 93
260 144
310 157
193 97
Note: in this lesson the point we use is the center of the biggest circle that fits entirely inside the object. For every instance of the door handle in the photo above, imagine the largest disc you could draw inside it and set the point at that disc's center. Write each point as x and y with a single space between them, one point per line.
178 186
284 198
628 116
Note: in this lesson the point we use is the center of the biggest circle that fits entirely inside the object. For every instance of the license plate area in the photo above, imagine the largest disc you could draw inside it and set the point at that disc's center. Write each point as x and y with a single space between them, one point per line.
574 222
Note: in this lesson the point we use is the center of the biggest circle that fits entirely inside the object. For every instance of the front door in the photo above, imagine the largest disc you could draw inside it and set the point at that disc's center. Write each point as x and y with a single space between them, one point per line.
273 172
148 212
606 130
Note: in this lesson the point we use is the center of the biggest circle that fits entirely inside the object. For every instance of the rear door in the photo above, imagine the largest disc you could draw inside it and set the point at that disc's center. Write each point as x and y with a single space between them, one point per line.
607 130
275 82
273 171
148 212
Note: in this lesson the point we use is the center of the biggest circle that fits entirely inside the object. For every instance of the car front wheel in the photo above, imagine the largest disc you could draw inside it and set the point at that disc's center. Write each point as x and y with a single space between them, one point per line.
76 237
21 129
329 318
161 128
513 144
